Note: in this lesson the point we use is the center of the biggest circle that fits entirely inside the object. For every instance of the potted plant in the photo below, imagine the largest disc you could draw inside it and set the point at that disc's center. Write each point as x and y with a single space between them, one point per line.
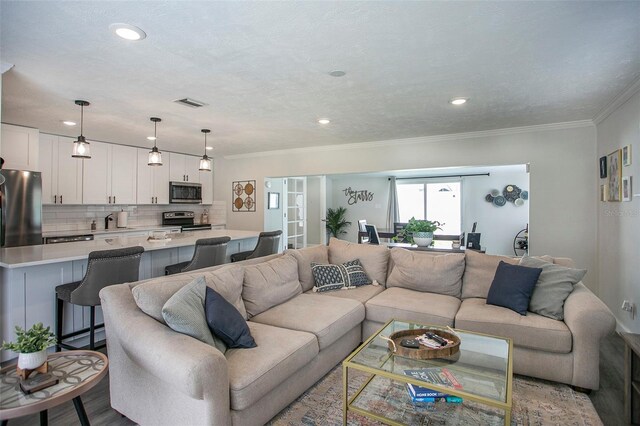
336 221
31 345
419 232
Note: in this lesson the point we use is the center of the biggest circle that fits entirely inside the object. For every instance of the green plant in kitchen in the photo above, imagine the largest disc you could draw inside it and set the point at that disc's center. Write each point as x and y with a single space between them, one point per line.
418 229
36 339
336 222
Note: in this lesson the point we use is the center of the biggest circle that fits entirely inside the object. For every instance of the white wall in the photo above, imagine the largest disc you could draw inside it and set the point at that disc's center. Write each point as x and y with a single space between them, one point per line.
498 225
619 222
315 227
562 176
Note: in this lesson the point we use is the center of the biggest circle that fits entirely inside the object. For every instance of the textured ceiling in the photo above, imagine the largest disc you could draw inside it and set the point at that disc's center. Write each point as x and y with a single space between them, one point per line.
262 68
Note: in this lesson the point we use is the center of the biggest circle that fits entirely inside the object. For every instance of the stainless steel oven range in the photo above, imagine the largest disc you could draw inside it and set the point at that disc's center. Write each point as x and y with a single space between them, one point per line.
184 219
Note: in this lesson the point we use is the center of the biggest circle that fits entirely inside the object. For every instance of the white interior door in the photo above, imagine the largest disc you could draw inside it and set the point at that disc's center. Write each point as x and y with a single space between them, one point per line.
296 212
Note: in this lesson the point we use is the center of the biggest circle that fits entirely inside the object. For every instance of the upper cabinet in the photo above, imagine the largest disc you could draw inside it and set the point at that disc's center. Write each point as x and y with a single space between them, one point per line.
110 175
20 147
153 181
184 168
61 173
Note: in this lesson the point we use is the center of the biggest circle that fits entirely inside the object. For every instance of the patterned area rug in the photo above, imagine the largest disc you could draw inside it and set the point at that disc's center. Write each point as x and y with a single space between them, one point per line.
535 402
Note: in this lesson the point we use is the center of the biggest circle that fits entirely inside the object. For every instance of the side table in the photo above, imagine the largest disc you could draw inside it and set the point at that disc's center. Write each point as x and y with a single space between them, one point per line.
77 371
631 377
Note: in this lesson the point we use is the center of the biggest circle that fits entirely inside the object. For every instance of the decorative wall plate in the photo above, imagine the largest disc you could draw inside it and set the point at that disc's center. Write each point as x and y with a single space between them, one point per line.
499 201
243 196
489 198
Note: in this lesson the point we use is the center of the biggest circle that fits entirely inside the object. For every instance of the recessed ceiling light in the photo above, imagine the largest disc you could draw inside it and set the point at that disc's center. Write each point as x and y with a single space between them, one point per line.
324 121
151 138
209 148
128 32
69 123
458 101
337 73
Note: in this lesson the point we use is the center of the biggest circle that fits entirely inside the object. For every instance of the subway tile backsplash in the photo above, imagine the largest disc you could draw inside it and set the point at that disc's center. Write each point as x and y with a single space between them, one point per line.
78 217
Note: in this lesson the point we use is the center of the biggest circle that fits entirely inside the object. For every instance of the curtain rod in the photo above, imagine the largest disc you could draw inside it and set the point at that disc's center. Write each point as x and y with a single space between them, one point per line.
444 176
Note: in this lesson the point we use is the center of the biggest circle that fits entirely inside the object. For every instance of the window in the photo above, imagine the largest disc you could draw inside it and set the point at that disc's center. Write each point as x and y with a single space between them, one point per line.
439 201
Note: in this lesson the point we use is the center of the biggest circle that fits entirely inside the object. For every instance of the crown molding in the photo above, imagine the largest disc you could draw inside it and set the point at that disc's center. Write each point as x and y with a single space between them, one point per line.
618 101
420 139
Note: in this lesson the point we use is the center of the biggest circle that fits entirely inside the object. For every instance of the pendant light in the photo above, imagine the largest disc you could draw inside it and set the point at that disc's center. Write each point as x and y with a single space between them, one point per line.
81 146
205 161
155 156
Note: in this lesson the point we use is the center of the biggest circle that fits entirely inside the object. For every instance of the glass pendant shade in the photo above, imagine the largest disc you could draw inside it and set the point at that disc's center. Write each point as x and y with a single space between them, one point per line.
155 156
81 146
205 162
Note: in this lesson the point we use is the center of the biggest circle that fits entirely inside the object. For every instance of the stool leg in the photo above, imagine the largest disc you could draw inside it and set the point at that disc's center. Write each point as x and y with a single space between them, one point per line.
59 310
92 329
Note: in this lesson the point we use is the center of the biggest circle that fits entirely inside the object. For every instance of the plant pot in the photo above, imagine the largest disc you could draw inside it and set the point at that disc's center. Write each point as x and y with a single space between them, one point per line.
423 239
32 360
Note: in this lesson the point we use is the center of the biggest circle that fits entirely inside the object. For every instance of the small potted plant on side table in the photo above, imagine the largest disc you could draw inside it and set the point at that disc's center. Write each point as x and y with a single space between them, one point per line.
419 232
31 346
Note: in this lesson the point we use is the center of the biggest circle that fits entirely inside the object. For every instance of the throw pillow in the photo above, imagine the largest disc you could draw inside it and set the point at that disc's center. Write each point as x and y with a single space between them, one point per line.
421 271
479 271
184 313
553 287
350 274
374 258
226 322
305 257
270 283
512 287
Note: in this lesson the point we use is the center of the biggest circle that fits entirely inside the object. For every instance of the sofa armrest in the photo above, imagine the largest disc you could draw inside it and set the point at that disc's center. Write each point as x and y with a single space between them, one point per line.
589 320
195 368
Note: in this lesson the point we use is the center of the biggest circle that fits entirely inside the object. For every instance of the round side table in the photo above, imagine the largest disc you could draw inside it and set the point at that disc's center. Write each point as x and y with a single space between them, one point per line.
77 372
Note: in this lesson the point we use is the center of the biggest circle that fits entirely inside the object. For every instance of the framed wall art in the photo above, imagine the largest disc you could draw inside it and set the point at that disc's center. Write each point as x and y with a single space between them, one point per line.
603 192
614 163
273 200
626 188
243 196
626 155
603 167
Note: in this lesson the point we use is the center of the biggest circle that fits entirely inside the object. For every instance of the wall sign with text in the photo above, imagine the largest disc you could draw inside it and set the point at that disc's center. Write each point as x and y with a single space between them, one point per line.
355 196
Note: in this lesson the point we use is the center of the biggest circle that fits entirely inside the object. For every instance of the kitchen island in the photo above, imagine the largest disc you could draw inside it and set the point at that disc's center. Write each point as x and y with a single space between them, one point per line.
29 274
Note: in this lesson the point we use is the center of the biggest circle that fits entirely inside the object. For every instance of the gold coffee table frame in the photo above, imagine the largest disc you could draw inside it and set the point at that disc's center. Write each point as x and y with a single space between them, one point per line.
505 405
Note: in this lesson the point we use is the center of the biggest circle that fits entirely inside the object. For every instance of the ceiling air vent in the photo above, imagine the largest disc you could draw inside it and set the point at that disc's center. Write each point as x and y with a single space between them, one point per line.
190 102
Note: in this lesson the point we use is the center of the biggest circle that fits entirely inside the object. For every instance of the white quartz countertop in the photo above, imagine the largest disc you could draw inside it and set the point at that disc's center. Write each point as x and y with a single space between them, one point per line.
17 257
113 230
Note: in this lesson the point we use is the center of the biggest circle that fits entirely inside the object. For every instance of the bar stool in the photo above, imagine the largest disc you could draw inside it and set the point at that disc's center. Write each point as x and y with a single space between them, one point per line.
104 267
208 252
268 243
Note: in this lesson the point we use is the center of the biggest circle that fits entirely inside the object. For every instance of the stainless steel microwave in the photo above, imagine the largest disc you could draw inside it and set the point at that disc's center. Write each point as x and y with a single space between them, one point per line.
185 193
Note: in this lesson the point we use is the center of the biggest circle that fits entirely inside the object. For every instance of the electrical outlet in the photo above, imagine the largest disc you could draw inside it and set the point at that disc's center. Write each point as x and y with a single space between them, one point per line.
627 306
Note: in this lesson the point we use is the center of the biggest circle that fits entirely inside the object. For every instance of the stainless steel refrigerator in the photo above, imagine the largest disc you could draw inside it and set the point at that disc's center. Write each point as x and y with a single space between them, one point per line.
21 217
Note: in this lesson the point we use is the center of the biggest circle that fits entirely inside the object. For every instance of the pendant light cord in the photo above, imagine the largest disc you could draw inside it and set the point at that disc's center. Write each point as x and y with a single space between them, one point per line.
81 119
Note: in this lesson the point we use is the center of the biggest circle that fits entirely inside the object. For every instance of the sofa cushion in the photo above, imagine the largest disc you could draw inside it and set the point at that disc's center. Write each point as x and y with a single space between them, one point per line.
255 372
410 305
361 294
328 318
269 284
349 275
305 257
151 295
512 287
553 287
479 271
435 274
225 321
184 313
532 331
374 258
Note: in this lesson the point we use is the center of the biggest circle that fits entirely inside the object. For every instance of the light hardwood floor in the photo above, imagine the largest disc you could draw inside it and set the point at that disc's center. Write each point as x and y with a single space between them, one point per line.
608 400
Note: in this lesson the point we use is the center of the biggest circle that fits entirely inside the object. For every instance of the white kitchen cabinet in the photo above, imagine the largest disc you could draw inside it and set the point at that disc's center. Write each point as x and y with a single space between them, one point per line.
61 173
206 179
20 147
184 168
153 181
109 176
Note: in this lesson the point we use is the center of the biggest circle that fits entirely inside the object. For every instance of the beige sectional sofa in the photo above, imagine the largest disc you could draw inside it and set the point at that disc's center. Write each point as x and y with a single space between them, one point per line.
158 376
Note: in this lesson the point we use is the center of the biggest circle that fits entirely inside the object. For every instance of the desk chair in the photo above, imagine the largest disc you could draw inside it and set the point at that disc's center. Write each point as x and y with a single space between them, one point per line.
208 252
104 267
374 238
268 243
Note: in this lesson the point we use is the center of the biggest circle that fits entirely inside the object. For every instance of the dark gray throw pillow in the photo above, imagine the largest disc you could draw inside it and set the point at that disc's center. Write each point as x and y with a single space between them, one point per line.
554 285
226 322
512 287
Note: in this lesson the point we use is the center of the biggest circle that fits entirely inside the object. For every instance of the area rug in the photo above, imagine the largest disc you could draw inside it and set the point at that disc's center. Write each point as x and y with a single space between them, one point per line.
535 402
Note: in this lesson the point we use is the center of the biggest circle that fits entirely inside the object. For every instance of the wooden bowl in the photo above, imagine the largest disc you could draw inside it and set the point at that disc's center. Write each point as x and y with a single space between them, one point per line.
423 352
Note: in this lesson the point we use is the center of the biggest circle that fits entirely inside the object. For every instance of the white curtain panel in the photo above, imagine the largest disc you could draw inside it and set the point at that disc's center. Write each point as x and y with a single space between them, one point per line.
393 212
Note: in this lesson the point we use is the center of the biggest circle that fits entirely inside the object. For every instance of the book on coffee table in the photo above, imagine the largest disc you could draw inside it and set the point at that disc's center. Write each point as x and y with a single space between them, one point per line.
38 382
439 376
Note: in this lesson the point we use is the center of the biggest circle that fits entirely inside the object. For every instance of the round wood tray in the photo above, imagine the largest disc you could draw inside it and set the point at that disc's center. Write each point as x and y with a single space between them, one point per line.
424 352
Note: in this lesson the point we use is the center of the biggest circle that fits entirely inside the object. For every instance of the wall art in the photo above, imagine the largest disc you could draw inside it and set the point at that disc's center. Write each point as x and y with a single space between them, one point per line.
626 155
243 196
603 167
273 200
511 193
626 188
614 161
603 193
353 196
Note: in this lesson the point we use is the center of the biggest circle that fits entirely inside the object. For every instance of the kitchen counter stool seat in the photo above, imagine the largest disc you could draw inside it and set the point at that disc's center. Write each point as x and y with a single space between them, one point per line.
104 267
268 243
208 252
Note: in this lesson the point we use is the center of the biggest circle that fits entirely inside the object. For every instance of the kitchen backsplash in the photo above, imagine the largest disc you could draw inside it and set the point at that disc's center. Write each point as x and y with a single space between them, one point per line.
76 218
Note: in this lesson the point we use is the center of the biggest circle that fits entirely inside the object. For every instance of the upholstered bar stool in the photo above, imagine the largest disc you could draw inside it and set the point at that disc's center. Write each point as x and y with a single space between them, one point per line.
208 252
104 267
268 243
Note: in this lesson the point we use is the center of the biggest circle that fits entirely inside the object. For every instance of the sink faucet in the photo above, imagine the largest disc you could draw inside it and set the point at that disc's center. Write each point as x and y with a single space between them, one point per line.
107 219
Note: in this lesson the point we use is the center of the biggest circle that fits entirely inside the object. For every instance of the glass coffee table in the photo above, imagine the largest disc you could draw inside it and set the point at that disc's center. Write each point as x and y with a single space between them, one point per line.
482 369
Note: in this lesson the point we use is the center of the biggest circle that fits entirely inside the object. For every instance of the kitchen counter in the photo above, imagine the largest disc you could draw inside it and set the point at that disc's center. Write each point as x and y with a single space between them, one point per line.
16 257
114 230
